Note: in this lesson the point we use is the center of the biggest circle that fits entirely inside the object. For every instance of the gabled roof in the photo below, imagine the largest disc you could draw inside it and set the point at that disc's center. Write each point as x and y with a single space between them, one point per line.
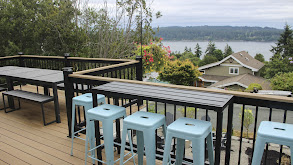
243 80
243 58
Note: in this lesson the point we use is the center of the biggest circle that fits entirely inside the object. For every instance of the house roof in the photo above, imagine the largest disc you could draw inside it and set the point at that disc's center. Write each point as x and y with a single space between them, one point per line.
243 58
212 78
243 80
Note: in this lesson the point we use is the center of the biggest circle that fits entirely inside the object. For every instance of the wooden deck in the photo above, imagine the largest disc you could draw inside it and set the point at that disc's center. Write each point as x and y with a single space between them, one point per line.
25 140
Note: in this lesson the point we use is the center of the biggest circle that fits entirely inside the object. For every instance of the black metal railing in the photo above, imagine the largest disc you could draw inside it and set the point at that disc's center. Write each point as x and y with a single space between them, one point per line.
11 60
58 62
93 72
260 104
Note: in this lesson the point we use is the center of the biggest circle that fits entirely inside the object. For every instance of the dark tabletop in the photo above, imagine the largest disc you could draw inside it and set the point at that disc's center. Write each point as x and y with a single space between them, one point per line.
45 75
197 98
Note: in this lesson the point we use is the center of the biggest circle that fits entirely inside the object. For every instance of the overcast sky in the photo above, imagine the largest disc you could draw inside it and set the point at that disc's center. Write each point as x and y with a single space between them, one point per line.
271 13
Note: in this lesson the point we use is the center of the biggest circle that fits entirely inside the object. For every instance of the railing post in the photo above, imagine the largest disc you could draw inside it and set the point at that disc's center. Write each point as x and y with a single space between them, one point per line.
21 62
66 61
69 94
139 69
139 72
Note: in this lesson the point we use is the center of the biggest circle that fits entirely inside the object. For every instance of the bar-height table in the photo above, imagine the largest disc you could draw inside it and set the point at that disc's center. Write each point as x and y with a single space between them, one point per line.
41 77
206 100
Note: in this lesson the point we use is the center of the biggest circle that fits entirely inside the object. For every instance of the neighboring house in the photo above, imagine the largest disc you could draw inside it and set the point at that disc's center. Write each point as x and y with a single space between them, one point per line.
236 72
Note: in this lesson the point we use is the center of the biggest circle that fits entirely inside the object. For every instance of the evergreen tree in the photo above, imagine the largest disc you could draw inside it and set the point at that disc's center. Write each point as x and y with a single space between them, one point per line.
210 48
198 51
285 43
207 60
218 54
227 51
189 50
185 49
280 62
259 57
275 66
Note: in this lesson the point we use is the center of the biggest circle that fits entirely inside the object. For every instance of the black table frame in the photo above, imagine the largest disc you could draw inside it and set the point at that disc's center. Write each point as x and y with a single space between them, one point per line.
219 110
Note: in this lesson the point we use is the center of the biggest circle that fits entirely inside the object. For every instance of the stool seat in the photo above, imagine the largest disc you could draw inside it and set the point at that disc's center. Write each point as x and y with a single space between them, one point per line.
187 128
275 131
106 111
88 98
144 120
272 132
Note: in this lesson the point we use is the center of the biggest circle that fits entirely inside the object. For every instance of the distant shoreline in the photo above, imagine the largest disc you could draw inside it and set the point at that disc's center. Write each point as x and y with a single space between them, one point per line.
252 47
216 41
220 33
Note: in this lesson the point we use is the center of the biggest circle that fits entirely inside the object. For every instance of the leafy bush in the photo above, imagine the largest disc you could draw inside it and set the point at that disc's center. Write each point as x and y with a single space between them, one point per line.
283 81
180 73
252 86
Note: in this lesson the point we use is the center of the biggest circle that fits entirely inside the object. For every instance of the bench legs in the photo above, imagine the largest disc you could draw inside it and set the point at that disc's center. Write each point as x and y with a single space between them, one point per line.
42 106
5 108
43 114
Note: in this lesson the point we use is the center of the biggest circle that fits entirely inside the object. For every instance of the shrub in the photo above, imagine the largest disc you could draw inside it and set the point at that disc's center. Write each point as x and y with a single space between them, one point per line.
180 73
252 86
247 120
154 56
283 81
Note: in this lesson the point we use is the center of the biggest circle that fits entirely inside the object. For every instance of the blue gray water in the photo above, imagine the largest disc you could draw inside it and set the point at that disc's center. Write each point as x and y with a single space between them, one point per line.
252 47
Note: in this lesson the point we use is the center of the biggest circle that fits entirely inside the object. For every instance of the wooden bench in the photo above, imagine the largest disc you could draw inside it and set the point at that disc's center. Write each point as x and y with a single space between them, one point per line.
20 94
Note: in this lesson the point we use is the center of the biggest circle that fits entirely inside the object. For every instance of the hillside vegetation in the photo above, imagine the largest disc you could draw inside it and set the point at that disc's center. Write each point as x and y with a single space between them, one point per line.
219 33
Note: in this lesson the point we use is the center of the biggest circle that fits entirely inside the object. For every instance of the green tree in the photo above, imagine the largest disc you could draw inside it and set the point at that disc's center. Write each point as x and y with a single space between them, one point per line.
210 48
227 51
190 56
180 73
283 52
207 59
185 49
247 120
275 65
283 81
259 57
52 27
218 54
40 27
198 51
285 43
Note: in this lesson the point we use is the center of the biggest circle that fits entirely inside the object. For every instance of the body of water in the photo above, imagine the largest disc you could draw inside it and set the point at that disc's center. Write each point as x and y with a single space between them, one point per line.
251 47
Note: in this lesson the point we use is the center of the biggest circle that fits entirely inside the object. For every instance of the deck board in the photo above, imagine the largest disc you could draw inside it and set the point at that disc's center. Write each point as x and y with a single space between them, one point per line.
9 158
25 140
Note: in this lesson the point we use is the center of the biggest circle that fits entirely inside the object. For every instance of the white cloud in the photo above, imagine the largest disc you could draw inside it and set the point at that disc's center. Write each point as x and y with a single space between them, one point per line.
219 12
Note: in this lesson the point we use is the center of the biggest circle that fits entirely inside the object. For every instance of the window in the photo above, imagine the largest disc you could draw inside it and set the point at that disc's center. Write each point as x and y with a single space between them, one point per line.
233 70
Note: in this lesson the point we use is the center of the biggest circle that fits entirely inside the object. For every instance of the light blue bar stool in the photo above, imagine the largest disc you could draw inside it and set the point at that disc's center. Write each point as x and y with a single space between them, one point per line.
105 113
194 130
86 101
272 132
145 124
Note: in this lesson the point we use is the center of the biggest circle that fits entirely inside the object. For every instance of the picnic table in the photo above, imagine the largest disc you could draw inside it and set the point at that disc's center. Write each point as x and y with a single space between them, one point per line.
41 77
